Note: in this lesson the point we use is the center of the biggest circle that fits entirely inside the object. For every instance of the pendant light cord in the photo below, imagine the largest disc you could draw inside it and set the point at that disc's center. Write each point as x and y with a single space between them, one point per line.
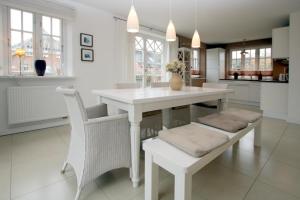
170 10
196 14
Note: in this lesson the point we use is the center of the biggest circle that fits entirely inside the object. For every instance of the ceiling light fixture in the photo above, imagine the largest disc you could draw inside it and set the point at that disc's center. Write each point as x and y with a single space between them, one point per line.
196 42
171 31
132 20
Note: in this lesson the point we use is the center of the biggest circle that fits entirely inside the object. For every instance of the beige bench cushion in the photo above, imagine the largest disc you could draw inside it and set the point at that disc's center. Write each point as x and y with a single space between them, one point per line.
224 122
193 139
245 115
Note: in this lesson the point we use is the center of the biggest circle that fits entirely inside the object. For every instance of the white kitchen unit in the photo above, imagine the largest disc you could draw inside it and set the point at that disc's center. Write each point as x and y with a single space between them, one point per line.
280 42
245 92
215 62
274 100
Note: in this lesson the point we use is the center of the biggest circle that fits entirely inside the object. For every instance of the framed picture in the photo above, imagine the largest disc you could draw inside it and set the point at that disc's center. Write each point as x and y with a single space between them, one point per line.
86 40
87 55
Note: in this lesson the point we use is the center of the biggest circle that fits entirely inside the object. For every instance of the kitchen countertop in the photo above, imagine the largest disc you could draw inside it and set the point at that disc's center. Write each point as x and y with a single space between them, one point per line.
263 81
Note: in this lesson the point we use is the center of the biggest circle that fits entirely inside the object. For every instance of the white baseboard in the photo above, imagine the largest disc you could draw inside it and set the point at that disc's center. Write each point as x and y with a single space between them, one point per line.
282 116
34 127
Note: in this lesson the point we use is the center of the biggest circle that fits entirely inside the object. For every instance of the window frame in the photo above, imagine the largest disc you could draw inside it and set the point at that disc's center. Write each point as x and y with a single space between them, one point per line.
146 37
37 34
243 58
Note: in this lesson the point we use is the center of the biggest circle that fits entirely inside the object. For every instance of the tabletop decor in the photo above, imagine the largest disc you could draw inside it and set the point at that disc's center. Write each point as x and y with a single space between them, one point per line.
40 67
176 68
20 53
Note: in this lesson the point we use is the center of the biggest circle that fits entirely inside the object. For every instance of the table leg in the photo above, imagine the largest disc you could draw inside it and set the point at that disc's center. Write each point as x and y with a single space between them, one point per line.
135 152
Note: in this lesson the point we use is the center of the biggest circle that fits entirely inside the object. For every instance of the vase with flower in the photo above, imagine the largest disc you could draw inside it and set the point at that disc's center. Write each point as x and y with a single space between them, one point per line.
176 68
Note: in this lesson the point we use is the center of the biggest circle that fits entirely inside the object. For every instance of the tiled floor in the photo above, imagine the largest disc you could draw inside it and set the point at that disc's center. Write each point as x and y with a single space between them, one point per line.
30 169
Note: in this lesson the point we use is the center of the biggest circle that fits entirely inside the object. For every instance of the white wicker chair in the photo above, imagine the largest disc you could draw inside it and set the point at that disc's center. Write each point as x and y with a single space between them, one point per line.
176 116
206 108
152 121
99 143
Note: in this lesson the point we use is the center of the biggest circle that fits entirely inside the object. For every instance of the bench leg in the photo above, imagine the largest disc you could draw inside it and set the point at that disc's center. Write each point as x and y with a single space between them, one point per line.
183 187
257 135
151 178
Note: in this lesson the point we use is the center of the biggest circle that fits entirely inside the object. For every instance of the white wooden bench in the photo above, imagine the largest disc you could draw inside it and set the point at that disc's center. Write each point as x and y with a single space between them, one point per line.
161 154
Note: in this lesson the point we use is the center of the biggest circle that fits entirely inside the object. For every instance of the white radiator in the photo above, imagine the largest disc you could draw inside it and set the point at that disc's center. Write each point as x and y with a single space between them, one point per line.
30 104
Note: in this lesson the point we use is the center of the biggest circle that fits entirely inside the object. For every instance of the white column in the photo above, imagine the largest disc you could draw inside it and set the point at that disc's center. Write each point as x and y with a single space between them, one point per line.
183 186
151 178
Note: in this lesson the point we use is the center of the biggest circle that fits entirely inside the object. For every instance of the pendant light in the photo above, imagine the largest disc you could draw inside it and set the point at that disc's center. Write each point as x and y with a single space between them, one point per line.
196 42
171 31
132 20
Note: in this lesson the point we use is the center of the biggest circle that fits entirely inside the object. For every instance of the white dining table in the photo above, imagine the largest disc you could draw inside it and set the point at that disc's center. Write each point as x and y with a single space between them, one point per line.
137 101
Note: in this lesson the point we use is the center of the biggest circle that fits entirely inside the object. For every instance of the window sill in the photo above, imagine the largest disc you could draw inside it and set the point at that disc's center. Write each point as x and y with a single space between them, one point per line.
38 77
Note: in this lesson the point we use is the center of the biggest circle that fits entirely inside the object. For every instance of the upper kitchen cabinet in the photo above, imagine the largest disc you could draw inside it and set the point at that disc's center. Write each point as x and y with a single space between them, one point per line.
280 42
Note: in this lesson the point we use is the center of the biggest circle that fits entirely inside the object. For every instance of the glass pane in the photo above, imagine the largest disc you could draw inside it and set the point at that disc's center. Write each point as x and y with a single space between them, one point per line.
15 19
253 51
139 43
238 54
56 27
158 47
16 40
46 25
262 53
268 52
262 63
27 21
27 43
248 54
46 44
139 56
150 45
233 55
233 63
269 63
56 45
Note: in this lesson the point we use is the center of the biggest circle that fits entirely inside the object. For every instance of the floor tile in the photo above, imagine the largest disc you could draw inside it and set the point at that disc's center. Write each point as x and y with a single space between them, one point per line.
243 161
37 144
288 152
293 131
5 173
281 176
215 182
37 173
65 190
117 185
261 191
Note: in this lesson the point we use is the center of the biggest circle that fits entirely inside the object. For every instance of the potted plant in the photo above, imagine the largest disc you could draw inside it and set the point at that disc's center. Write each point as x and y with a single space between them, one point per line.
176 68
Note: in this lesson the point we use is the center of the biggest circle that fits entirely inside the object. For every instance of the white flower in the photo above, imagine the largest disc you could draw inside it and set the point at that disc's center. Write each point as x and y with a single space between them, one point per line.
175 67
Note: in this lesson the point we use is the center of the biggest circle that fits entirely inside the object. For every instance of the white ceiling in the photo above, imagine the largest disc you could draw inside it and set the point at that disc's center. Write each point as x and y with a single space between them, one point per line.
219 21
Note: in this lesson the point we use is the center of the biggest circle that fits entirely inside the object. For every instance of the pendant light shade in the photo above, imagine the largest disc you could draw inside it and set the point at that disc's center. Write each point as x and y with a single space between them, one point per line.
196 42
171 32
133 21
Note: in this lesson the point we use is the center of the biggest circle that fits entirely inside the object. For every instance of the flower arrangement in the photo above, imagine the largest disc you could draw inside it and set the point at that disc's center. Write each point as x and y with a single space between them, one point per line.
176 67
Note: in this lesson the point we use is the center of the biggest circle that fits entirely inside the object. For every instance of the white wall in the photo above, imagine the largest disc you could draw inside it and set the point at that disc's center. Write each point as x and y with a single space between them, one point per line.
100 73
294 69
88 75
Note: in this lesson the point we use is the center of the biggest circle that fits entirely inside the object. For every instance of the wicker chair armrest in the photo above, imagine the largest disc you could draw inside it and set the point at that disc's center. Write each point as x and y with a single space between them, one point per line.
96 111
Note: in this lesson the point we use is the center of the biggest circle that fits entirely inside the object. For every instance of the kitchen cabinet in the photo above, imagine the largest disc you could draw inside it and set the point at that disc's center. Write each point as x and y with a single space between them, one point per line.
280 42
215 64
274 100
245 92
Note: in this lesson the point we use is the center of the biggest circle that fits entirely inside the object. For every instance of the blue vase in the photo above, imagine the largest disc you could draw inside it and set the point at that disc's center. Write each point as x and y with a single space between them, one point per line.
40 67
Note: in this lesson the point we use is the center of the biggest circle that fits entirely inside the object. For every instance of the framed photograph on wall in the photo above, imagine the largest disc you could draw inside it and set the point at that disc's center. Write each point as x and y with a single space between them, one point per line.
86 40
87 55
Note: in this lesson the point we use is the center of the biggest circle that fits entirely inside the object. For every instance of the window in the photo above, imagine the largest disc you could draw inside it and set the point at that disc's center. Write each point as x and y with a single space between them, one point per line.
265 59
51 28
149 56
252 61
21 36
40 36
196 61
